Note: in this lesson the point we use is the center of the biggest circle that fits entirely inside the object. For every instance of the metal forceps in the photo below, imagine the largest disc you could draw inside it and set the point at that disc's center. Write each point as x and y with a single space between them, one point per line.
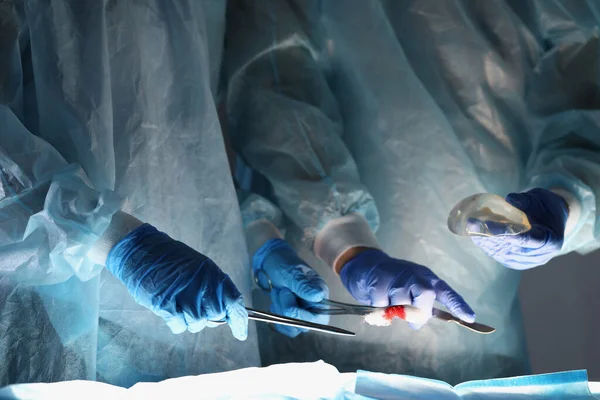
297 323
330 307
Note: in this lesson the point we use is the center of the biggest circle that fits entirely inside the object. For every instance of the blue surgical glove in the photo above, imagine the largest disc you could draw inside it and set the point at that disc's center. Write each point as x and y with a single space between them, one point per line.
293 283
376 279
177 283
547 212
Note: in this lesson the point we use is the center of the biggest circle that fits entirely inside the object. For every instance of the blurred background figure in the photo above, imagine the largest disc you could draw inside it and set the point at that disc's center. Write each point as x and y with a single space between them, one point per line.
379 117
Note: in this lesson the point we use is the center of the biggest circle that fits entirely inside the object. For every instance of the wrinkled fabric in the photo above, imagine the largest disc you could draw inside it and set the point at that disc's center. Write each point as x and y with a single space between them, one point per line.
255 207
427 102
107 106
289 130
289 381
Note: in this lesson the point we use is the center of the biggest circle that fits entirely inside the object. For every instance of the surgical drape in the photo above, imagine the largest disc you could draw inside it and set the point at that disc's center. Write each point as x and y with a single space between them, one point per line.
107 106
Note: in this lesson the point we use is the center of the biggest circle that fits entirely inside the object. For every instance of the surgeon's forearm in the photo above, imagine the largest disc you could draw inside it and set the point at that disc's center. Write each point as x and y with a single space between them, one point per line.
286 121
573 206
120 226
344 238
348 255
569 167
258 233
262 220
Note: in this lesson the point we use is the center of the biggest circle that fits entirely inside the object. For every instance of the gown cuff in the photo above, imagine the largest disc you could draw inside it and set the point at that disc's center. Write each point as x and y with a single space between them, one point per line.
342 234
121 225
574 210
258 233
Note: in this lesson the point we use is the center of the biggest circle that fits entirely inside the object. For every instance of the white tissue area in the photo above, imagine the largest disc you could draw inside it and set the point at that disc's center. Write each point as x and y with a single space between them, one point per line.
316 380
413 315
376 318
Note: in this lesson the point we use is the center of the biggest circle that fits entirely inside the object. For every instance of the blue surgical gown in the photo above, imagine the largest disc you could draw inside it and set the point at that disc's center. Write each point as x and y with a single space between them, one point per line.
396 110
108 106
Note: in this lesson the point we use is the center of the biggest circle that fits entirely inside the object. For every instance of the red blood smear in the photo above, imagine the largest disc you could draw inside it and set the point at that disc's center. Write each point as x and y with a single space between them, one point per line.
394 312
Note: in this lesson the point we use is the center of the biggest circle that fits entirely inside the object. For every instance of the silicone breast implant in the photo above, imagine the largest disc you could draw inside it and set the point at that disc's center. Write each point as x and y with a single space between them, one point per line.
487 214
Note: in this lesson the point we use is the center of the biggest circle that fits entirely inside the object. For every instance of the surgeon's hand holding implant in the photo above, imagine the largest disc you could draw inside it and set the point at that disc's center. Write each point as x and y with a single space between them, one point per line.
374 278
523 231
179 284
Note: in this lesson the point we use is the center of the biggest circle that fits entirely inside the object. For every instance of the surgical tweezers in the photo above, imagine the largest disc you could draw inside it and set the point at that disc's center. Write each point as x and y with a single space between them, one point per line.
269 318
330 307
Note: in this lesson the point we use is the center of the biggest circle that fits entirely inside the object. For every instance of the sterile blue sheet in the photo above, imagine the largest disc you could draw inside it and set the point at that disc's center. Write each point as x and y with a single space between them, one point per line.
570 385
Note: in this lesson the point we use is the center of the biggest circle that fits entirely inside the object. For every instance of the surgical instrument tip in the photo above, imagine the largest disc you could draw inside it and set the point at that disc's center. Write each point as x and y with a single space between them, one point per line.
330 307
297 323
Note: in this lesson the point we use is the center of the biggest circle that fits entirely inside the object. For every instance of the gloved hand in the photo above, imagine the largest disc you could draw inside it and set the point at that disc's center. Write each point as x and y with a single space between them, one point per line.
177 283
376 279
293 282
547 212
